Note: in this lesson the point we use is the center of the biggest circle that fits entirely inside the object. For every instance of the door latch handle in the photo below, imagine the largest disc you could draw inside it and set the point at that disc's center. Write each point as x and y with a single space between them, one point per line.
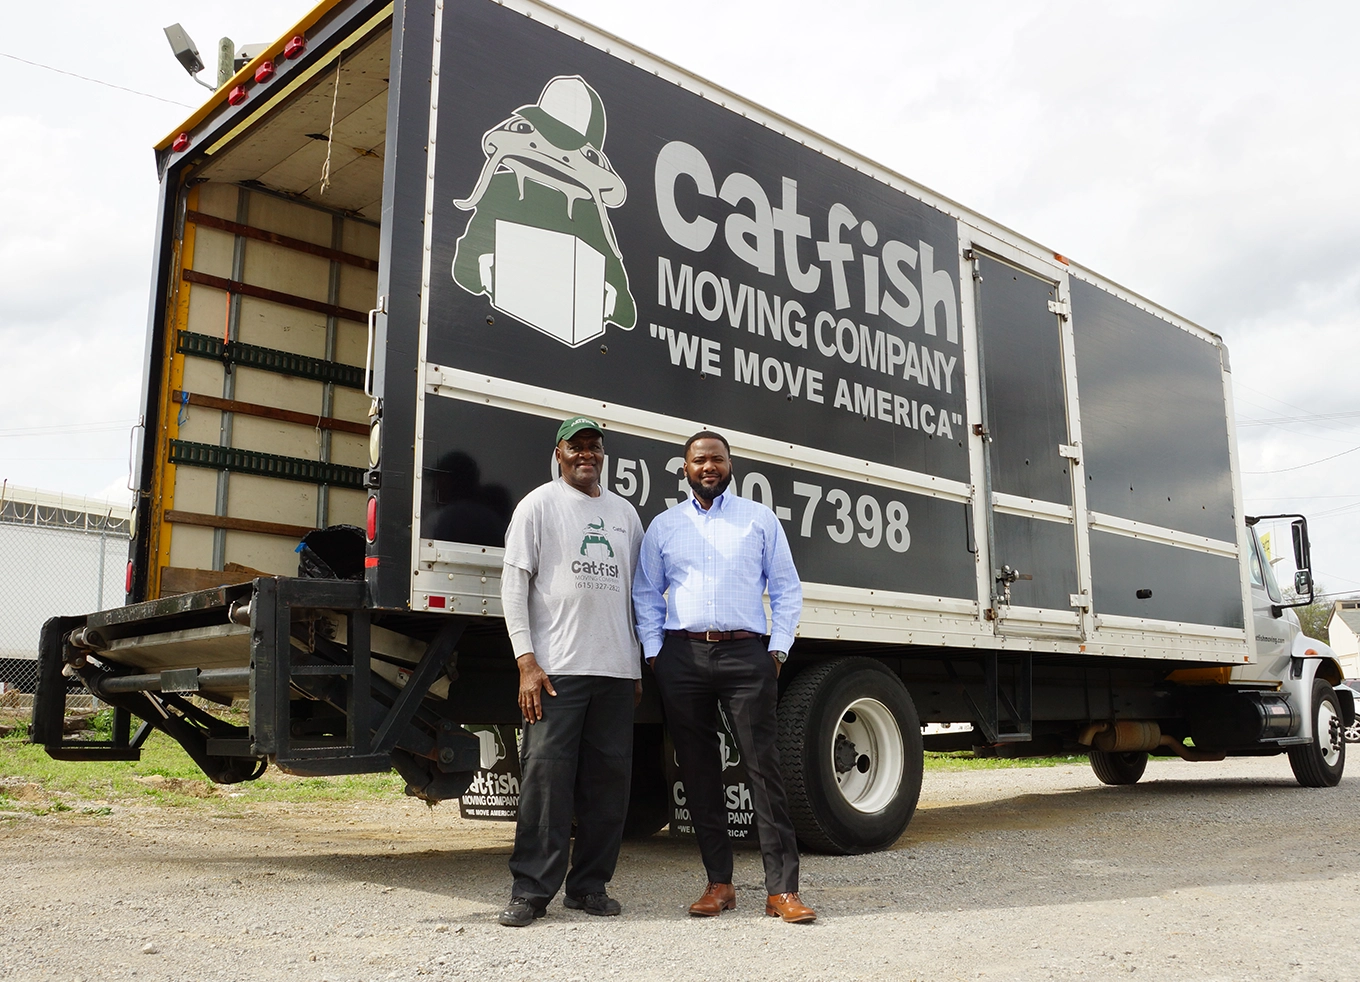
1006 576
368 347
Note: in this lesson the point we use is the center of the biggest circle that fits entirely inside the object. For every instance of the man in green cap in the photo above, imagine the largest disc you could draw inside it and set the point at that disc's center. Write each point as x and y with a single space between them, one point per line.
566 589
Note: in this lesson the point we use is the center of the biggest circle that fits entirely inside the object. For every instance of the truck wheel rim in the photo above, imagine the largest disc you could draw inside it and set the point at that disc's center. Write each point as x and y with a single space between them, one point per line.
1329 736
867 754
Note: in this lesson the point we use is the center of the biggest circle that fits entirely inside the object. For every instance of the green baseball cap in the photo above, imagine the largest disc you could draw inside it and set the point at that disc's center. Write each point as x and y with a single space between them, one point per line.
575 425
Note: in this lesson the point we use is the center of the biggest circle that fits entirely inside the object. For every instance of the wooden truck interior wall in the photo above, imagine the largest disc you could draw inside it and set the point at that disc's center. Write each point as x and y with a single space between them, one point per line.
267 439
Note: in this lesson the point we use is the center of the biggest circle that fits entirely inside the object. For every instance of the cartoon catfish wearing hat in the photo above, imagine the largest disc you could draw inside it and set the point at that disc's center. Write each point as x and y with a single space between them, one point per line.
539 243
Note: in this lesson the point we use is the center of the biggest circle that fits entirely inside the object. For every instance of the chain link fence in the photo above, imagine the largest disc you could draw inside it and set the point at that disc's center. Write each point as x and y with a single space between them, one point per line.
58 555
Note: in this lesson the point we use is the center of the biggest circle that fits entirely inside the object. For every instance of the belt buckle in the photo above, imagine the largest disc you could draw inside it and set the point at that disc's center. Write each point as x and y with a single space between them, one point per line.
712 636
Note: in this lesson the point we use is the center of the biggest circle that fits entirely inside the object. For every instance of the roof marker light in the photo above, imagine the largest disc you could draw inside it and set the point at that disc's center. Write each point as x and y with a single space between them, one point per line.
237 95
181 143
265 72
295 47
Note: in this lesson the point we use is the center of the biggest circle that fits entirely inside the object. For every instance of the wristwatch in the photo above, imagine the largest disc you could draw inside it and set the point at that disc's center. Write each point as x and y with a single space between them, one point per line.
780 656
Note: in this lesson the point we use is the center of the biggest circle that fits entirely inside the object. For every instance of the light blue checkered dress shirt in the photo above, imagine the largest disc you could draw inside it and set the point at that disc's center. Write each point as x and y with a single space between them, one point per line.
717 566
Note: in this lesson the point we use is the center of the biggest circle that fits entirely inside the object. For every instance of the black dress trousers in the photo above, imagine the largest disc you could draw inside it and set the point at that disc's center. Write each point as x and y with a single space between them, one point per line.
577 760
694 677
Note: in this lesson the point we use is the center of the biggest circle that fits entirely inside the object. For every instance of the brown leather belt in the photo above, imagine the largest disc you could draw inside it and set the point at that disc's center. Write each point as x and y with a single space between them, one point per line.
714 636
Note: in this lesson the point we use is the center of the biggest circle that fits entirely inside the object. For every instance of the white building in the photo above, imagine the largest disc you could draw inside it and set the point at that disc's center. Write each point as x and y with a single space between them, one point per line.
59 554
1343 630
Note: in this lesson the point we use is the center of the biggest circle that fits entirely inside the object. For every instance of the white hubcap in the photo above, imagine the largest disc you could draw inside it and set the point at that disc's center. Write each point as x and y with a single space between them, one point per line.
1329 733
867 755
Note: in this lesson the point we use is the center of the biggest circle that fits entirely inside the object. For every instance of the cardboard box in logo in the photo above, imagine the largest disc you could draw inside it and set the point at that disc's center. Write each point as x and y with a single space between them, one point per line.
551 281
494 792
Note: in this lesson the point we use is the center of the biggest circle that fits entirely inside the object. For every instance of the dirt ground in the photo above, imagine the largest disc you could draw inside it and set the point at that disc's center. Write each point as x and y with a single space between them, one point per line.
1203 871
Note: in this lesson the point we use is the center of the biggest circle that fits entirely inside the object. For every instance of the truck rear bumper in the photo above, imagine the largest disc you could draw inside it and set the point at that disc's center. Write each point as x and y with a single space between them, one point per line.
315 705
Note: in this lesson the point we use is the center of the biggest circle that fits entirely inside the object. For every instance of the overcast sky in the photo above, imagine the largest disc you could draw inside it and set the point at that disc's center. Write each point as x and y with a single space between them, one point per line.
1203 154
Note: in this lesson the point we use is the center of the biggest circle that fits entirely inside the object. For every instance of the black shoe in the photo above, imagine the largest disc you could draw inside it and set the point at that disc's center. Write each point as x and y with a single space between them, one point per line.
520 912
599 904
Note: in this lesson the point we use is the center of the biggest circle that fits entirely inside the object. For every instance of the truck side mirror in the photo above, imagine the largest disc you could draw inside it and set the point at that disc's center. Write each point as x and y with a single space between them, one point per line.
1302 558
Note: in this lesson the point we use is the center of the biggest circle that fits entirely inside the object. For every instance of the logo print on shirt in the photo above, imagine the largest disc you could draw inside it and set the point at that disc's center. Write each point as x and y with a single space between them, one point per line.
594 536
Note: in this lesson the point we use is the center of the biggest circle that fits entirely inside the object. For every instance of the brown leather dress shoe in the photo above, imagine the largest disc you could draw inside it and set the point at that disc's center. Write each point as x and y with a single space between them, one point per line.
716 899
789 907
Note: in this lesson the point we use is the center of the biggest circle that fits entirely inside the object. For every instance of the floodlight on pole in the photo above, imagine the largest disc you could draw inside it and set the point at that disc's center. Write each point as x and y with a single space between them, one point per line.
186 53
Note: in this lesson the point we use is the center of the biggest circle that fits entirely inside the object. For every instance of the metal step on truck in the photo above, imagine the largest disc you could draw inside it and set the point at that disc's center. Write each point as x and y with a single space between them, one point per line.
410 237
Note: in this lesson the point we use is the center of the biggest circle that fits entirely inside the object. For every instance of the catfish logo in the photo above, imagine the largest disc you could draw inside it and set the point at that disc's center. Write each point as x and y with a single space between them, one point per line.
593 535
539 243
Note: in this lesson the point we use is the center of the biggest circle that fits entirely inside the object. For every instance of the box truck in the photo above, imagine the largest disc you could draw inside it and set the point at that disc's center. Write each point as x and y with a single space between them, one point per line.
410 237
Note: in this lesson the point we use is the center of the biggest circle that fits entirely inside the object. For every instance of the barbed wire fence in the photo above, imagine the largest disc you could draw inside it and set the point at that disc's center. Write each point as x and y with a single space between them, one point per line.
54 560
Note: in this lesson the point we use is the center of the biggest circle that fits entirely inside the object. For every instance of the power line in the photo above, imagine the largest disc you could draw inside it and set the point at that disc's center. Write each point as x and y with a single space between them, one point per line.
1310 463
1272 398
1310 417
96 81
1308 414
1296 497
58 429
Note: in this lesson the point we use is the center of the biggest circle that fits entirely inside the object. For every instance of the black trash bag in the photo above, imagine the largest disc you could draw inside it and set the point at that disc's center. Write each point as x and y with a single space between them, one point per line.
333 553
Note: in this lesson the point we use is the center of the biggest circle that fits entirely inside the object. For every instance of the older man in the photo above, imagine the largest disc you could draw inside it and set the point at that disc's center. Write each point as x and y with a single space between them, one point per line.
705 567
570 553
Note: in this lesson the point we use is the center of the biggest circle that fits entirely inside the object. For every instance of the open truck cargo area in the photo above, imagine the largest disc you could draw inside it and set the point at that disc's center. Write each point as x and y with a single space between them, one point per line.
410 237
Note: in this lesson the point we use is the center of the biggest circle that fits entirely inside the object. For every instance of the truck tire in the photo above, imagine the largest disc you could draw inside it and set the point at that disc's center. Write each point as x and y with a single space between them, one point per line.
648 797
1119 768
1319 764
850 753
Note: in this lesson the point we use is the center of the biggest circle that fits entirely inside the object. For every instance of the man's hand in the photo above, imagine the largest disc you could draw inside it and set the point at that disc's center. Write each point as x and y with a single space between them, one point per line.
532 681
637 692
777 663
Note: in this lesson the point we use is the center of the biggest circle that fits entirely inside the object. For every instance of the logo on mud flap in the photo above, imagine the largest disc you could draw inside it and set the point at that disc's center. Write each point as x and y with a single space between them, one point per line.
728 749
594 536
727 742
539 243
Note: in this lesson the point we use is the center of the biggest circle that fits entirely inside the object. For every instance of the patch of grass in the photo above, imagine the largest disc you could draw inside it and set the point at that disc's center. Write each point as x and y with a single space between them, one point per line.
963 760
165 775
100 725
168 777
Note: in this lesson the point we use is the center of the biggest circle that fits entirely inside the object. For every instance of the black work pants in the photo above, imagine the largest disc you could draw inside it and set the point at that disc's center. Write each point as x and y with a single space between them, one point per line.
577 760
694 677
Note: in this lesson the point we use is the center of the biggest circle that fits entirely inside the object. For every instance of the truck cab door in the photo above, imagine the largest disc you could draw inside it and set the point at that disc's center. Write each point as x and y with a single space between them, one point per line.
1028 394
1273 628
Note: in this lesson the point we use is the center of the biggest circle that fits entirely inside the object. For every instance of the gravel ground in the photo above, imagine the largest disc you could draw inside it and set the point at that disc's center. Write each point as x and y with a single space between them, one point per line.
1203 871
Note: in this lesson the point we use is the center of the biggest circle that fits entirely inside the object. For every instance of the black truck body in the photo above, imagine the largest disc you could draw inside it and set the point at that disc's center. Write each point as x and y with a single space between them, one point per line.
410 237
